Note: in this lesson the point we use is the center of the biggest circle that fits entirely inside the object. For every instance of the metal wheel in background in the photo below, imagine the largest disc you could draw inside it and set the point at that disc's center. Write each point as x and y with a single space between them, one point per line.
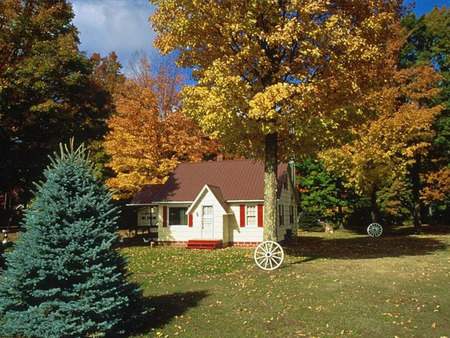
374 230
269 255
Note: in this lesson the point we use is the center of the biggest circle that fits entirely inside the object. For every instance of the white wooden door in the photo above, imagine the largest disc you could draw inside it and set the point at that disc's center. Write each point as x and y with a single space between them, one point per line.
207 221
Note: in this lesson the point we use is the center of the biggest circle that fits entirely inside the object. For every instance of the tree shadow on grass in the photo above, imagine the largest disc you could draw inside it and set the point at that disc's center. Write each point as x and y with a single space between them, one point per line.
167 307
363 247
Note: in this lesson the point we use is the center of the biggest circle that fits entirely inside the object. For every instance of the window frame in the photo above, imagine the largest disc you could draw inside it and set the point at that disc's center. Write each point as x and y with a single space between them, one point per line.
184 216
253 216
291 214
281 214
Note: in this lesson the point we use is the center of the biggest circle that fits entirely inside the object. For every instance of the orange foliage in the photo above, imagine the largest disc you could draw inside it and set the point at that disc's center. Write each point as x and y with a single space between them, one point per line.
438 186
149 134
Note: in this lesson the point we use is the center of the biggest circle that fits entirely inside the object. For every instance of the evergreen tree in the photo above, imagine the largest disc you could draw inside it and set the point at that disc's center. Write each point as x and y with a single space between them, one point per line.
65 277
2 259
320 191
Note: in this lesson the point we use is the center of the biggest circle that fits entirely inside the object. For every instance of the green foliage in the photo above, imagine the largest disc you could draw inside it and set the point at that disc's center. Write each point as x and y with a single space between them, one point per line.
358 215
309 221
394 201
429 42
49 90
65 277
429 39
320 191
2 259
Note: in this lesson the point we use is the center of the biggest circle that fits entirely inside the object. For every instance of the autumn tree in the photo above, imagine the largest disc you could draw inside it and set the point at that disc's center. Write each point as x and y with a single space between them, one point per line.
149 134
429 42
391 146
275 77
436 193
48 92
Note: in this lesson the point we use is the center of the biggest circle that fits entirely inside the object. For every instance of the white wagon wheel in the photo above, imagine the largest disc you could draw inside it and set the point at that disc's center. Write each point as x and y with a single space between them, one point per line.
269 255
374 230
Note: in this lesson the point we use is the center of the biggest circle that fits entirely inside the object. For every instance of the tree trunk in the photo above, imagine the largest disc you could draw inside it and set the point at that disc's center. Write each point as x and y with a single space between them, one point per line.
375 212
415 178
270 187
339 196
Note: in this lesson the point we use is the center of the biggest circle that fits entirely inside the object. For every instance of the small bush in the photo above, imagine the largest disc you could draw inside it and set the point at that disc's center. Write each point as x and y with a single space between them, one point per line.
309 221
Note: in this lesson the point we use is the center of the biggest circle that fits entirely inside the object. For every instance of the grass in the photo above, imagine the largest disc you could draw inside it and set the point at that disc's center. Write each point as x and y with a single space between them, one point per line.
340 284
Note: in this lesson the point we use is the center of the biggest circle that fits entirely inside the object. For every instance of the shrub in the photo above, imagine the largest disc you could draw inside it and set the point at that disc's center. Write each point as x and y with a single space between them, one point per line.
309 221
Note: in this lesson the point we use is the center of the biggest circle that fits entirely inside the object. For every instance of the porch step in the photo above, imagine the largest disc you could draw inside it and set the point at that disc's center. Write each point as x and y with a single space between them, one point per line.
205 244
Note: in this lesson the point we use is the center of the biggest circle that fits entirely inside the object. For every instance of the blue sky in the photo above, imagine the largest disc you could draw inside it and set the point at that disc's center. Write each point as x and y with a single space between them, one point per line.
122 25
425 6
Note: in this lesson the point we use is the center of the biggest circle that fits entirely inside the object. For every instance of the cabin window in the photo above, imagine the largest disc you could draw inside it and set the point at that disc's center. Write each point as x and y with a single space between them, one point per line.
291 214
148 217
251 216
177 216
281 214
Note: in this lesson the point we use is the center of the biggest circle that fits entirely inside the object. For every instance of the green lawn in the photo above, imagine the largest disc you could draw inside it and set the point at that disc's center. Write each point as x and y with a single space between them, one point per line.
340 284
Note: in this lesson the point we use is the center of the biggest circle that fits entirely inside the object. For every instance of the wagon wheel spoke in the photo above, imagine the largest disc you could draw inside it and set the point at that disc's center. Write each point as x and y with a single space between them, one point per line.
269 255
264 262
270 262
274 261
261 258
277 256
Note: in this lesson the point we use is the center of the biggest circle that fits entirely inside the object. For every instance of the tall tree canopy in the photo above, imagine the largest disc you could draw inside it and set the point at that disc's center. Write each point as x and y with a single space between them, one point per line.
48 92
275 76
149 135
391 146
429 42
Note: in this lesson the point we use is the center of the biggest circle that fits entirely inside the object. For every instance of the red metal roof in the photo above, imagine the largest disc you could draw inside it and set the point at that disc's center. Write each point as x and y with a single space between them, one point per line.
147 194
237 180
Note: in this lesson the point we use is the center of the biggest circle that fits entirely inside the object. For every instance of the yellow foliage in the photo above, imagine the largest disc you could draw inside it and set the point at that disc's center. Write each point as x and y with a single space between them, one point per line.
288 67
386 146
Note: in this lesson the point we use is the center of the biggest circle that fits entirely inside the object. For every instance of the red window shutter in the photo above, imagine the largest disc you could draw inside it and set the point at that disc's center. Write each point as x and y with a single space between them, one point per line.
242 216
191 220
260 215
164 216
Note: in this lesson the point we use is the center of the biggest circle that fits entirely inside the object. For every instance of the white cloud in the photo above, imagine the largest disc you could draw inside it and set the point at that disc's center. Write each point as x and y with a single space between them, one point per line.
114 25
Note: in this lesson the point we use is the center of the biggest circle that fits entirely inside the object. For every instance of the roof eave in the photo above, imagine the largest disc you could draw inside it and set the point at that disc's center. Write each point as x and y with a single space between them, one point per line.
141 205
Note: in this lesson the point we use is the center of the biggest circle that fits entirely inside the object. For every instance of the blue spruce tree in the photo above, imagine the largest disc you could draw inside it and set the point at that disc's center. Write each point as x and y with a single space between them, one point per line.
64 276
